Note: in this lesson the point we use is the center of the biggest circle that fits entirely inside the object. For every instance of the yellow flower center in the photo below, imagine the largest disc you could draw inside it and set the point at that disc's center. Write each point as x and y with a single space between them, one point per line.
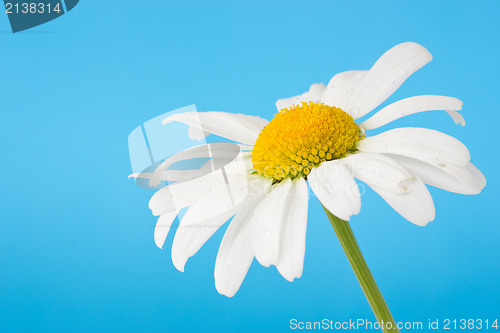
301 137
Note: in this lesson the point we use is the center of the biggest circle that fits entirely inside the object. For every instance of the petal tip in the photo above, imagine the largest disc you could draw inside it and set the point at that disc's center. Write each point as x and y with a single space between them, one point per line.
179 260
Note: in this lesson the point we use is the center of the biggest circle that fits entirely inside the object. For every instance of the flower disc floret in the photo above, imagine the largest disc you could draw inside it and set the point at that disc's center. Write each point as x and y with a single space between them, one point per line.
301 137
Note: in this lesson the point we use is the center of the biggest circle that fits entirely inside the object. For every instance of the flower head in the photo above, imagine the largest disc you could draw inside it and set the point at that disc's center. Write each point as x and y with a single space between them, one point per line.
301 137
313 138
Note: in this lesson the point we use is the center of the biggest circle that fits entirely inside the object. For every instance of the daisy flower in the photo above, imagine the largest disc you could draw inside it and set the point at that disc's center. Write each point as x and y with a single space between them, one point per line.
313 138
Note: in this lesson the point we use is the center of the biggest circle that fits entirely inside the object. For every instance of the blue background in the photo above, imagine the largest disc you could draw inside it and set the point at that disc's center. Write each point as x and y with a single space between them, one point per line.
76 237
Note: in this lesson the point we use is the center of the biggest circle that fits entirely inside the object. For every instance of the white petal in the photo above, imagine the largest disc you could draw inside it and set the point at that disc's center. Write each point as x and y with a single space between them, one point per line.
336 189
219 154
163 226
237 127
189 238
241 165
477 175
457 117
402 190
293 246
183 194
415 204
179 195
340 88
314 94
380 171
266 223
223 196
386 76
413 105
235 254
419 143
203 218
471 181
155 178
197 133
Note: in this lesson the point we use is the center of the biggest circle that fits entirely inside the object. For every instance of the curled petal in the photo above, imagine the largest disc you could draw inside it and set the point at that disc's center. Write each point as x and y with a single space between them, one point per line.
463 180
380 171
415 204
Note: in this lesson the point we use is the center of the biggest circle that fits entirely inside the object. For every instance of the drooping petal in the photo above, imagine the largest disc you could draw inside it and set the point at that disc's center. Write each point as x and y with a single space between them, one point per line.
190 238
471 180
237 127
415 204
223 196
205 217
420 143
163 226
335 187
235 254
199 223
386 76
413 105
380 171
402 190
180 195
183 194
267 221
314 94
293 244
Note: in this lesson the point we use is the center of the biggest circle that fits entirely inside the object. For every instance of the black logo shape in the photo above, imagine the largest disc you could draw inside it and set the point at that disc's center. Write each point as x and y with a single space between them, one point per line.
26 14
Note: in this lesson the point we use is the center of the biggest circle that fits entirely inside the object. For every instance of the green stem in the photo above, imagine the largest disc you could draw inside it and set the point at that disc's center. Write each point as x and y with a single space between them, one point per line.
363 274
